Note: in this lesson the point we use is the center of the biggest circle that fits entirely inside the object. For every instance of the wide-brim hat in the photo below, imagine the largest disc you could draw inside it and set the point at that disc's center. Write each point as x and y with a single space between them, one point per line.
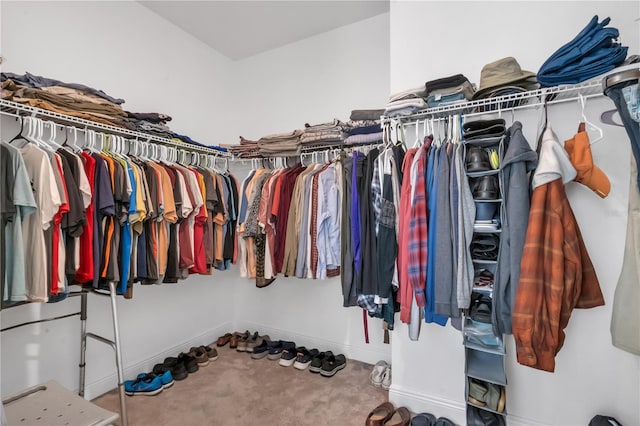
503 72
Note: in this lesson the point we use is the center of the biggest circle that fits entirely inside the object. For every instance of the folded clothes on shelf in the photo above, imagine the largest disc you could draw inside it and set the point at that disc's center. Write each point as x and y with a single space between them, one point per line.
594 51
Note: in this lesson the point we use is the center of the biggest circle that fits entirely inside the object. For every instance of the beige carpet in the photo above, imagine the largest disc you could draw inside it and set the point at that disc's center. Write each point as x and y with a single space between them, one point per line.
237 390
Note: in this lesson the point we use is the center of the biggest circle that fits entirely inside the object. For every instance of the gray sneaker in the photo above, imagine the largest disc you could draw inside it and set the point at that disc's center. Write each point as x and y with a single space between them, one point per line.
243 339
256 340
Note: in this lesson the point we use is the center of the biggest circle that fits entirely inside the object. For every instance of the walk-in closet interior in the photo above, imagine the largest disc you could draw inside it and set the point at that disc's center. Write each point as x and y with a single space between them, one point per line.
464 305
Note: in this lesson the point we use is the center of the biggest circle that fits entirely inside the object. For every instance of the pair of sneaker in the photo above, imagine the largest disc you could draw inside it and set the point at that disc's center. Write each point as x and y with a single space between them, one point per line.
247 341
299 357
327 364
381 375
149 384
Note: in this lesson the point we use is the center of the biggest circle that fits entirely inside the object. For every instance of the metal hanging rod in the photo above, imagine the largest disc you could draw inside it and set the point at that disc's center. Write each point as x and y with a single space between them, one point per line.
547 95
18 110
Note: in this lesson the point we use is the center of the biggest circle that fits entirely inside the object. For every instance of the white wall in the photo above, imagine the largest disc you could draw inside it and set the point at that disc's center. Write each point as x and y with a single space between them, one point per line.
433 39
126 50
129 52
312 81
157 67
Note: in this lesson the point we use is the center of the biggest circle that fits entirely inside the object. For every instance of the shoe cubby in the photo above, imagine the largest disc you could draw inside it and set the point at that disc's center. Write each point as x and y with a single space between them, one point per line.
484 351
486 396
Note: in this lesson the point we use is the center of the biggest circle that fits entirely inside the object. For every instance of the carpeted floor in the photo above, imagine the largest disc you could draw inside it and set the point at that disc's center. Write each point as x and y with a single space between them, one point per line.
237 390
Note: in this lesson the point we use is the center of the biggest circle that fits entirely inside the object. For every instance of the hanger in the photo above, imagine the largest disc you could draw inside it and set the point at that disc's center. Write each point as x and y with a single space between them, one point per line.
19 135
607 117
417 143
589 125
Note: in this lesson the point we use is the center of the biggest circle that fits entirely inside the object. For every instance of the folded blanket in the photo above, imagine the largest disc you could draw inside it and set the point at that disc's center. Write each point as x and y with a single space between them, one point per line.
366 114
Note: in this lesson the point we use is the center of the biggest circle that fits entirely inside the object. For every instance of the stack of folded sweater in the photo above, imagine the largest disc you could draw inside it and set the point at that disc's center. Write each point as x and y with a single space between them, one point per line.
246 149
448 91
71 99
333 132
406 102
280 145
364 127
149 122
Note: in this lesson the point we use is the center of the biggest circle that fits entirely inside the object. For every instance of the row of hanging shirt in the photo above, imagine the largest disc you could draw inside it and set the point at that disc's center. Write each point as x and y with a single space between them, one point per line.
392 196
289 222
100 212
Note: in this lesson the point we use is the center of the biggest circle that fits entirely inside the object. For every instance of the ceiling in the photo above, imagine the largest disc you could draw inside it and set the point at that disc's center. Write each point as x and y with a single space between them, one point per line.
239 29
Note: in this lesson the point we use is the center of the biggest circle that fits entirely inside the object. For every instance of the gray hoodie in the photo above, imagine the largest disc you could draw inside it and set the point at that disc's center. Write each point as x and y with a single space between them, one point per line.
519 159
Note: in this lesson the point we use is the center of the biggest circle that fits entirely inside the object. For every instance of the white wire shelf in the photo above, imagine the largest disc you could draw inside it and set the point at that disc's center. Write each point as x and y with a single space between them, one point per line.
16 109
533 98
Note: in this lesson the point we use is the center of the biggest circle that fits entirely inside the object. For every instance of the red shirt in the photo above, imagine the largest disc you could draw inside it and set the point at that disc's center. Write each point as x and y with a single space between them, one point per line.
85 272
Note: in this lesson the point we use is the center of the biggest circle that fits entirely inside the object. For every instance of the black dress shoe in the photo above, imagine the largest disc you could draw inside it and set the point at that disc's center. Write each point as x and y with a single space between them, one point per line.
486 188
477 160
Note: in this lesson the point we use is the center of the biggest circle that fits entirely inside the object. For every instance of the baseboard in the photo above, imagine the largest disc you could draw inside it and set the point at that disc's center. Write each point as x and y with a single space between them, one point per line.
103 385
362 353
425 403
440 407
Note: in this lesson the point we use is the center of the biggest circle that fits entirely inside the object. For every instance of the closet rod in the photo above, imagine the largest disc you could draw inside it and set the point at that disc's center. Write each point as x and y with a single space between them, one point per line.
15 109
552 95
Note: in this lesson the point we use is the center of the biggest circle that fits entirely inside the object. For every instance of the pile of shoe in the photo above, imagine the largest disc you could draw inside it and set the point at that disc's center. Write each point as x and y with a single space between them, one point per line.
173 368
286 352
381 375
386 414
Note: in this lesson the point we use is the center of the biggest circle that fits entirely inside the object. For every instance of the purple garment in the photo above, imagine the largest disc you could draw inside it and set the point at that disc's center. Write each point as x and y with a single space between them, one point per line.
355 213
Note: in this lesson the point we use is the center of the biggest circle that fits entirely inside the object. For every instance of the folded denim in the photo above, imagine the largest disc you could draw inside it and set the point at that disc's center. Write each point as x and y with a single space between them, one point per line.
592 52
439 100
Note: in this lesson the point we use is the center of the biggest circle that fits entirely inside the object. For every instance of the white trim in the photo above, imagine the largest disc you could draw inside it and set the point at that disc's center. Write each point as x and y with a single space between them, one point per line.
418 402
105 384
361 353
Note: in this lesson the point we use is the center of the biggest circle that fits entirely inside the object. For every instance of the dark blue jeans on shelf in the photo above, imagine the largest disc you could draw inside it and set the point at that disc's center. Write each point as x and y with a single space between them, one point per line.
626 97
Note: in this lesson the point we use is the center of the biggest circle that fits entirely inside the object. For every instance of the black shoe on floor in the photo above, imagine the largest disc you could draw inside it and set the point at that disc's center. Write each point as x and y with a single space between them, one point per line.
331 365
189 362
276 352
304 358
262 349
178 370
316 362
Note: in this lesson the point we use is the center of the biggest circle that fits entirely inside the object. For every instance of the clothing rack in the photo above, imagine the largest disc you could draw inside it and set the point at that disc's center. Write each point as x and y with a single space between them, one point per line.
115 343
20 110
524 100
